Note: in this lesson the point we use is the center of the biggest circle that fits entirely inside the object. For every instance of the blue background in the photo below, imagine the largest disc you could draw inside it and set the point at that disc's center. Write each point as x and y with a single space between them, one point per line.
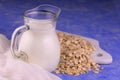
98 19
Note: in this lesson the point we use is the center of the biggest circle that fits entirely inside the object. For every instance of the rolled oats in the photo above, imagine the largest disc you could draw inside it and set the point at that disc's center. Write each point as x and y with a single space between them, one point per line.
76 55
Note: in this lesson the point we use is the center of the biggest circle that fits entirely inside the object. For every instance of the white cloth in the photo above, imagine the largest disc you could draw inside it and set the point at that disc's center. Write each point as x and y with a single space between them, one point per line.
4 43
11 69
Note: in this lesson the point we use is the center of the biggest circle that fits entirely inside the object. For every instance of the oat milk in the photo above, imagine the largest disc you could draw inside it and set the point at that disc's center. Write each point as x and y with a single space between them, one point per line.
41 44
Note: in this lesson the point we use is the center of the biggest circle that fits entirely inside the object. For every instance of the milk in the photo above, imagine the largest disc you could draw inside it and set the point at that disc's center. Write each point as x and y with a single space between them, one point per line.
41 44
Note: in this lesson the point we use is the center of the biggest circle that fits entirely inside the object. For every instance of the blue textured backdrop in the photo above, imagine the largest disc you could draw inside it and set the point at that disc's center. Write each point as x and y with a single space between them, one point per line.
98 19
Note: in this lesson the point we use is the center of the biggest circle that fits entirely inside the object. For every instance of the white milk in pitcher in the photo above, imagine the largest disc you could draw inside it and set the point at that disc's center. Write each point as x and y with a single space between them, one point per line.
41 44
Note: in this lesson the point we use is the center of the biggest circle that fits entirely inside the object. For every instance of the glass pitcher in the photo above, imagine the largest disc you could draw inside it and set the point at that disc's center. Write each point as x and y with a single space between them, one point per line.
37 41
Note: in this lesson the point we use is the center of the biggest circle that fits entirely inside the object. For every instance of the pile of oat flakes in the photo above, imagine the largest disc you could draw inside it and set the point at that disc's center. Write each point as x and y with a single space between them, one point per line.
76 55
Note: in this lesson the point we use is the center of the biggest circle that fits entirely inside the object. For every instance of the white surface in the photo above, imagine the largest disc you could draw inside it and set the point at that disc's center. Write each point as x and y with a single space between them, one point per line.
100 56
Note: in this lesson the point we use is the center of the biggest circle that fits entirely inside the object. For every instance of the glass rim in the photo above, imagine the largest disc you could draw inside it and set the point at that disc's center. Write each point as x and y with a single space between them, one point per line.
36 12
39 10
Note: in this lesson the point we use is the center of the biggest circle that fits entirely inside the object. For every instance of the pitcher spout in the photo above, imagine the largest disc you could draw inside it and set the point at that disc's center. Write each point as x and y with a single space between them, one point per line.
49 8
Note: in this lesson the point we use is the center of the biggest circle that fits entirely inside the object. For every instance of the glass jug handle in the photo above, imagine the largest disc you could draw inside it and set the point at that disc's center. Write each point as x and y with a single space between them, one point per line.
15 43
